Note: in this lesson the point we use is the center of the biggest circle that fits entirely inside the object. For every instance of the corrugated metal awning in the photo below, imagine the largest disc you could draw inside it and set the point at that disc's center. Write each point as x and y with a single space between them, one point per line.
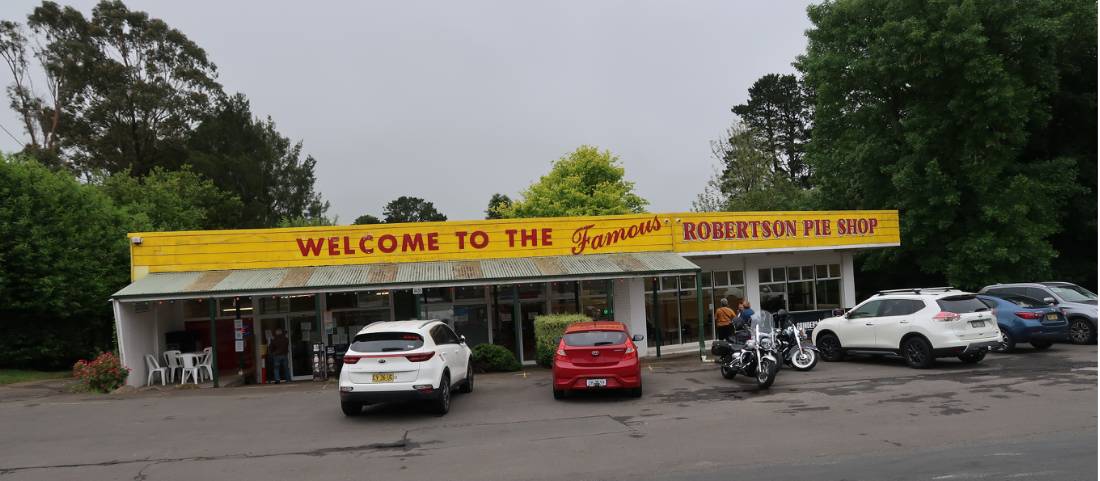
299 280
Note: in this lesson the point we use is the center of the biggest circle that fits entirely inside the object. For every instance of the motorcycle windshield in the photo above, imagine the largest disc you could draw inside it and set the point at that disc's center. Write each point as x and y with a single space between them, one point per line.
765 322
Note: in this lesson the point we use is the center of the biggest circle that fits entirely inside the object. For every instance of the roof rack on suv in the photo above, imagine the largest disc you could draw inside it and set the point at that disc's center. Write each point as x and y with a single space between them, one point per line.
916 290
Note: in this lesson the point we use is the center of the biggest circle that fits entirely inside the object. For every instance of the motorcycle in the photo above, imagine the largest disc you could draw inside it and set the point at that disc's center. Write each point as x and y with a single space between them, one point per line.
793 347
757 357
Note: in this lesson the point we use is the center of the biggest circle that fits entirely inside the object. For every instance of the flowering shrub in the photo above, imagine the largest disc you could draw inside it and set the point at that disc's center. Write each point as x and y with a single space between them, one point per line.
105 373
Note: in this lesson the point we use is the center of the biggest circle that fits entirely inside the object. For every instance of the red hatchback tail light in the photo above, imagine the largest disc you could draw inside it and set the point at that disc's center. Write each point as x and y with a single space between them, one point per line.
1029 315
420 356
352 359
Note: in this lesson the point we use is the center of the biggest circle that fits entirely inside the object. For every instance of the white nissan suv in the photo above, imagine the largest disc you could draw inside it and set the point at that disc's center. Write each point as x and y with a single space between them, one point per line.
405 361
916 324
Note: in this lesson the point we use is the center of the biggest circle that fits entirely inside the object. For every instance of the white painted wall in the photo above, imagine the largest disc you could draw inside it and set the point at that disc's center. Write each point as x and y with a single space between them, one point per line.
629 307
136 334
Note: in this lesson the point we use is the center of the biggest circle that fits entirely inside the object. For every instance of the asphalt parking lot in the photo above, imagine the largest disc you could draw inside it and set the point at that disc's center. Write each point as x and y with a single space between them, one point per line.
1030 415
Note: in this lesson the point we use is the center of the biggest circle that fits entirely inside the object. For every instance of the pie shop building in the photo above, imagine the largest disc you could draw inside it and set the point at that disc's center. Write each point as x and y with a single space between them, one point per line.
661 274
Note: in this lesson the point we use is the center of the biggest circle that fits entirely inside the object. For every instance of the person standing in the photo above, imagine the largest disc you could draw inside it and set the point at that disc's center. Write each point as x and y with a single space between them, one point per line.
723 320
279 348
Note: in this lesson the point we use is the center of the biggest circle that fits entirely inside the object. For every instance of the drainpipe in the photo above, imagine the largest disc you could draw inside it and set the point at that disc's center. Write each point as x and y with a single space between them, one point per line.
214 340
699 301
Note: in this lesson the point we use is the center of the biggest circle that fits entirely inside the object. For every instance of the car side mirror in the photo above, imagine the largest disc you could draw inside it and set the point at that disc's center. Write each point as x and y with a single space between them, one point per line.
638 337
462 339
1050 300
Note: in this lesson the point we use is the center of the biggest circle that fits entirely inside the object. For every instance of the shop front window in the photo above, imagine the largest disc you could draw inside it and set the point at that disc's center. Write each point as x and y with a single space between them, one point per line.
594 297
800 288
689 310
471 314
563 297
668 306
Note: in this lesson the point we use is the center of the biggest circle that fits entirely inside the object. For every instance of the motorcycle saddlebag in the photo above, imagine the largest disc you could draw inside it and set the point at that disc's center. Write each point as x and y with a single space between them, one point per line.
721 348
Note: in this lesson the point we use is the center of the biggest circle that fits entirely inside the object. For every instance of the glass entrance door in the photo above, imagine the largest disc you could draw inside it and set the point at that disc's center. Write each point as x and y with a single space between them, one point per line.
528 311
303 332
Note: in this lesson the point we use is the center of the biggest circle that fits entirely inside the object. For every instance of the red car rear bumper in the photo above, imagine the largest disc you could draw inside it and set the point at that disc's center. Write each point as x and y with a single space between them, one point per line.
624 375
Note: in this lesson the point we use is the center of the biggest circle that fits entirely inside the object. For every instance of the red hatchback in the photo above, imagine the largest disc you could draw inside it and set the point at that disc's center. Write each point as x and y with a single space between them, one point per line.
597 355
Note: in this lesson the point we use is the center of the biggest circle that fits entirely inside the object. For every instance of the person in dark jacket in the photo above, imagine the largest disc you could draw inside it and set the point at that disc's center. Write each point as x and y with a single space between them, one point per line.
278 349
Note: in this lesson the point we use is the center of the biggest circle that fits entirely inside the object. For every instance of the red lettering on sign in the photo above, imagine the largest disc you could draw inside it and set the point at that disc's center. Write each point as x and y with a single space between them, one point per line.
546 240
311 247
433 241
479 239
387 243
582 240
511 237
363 244
333 247
347 246
461 238
411 242
689 231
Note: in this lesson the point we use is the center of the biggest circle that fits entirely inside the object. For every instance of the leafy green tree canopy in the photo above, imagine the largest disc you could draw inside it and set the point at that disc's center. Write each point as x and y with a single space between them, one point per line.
248 157
366 219
584 182
956 114
170 200
122 89
411 209
746 178
497 204
779 113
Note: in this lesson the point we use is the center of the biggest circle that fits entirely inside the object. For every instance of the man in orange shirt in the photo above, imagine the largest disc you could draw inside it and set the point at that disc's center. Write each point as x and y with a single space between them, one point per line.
723 319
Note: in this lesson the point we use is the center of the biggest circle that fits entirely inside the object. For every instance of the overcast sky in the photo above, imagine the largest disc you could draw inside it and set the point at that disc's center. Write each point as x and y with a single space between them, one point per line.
453 101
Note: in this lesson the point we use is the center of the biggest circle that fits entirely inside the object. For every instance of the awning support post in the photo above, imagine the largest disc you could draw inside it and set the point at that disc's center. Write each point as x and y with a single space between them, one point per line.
611 299
214 341
657 317
516 318
699 301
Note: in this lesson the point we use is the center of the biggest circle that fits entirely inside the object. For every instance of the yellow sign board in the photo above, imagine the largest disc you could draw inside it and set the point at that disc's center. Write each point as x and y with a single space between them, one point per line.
508 238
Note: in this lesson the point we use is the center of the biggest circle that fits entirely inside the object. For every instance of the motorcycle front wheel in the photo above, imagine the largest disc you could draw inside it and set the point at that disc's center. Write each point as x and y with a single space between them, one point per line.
765 374
804 360
728 372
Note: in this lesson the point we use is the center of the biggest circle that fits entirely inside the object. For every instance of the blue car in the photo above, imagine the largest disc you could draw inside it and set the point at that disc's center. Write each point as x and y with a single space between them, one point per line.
1023 319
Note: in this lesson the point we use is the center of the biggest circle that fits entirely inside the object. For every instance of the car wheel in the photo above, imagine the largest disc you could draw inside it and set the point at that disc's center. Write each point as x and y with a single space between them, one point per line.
830 347
636 392
972 358
917 353
351 409
1081 331
1041 345
559 394
442 403
1008 344
468 384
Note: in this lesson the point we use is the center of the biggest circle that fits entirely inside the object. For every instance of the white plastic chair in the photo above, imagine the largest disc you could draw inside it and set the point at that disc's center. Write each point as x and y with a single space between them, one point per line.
204 364
172 362
154 368
190 366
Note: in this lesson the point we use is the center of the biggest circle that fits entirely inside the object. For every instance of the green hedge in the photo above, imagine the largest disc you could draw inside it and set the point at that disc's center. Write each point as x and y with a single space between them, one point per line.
548 331
491 357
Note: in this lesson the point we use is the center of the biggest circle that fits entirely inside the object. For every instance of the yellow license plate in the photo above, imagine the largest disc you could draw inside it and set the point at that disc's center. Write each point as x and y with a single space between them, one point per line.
1052 317
382 377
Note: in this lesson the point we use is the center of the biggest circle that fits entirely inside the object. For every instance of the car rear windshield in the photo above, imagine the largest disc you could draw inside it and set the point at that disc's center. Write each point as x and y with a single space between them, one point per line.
386 342
594 338
961 304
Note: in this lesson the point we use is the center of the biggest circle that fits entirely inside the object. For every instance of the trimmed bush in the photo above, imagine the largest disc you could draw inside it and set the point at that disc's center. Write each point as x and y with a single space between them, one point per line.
548 331
491 357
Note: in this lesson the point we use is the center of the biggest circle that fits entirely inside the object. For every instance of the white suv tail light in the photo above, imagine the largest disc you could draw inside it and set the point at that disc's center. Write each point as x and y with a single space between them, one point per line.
945 316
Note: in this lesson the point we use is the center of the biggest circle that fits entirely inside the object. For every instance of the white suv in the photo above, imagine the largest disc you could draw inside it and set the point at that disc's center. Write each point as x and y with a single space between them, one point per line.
405 361
917 324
